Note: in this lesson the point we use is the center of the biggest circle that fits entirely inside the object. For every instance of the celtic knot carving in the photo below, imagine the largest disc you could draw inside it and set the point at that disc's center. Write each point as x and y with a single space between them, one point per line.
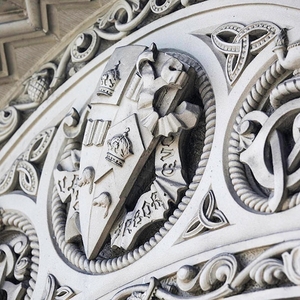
263 148
24 170
209 217
233 39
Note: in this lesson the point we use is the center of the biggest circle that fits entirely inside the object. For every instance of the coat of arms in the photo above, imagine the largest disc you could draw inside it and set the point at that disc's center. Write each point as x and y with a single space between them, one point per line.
129 169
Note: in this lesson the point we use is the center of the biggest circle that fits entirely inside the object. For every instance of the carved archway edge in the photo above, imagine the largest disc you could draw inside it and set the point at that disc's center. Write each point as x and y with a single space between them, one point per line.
77 258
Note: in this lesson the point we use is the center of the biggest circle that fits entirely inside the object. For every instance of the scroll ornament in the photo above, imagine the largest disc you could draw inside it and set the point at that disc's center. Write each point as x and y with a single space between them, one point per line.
222 276
272 137
24 170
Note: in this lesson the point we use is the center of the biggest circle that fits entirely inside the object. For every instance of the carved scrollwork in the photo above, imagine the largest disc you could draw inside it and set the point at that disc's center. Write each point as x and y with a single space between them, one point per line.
121 19
19 256
85 46
223 276
233 39
209 217
24 170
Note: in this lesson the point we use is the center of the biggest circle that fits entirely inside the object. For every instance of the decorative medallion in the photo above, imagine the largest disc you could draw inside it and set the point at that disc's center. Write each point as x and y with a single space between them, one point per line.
126 171
263 152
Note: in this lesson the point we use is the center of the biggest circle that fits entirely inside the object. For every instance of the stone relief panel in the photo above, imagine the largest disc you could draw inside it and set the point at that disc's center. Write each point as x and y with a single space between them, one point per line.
266 128
149 168
123 179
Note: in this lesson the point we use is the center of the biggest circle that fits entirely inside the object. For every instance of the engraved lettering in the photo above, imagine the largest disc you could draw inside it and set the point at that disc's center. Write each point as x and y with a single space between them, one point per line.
167 153
168 170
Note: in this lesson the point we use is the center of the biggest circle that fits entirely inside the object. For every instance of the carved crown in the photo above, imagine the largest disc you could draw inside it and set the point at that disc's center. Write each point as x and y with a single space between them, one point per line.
119 148
109 81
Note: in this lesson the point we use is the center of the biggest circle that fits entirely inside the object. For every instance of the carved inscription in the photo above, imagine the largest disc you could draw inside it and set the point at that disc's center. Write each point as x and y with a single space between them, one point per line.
152 206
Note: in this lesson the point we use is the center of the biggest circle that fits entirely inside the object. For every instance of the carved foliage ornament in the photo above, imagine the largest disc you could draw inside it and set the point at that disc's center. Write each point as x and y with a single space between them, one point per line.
223 276
55 292
138 174
265 141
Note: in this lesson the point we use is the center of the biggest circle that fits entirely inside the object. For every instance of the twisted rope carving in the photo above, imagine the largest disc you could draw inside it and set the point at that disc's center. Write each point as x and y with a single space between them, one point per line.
77 258
14 219
282 93
236 169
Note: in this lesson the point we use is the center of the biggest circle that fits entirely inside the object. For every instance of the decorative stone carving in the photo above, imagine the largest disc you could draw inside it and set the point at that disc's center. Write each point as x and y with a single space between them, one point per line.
158 124
37 88
81 50
85 46
273 185
108 81
204 283
119 148
19 256
132 166
209 217
55 292
24 170
9 121
240 42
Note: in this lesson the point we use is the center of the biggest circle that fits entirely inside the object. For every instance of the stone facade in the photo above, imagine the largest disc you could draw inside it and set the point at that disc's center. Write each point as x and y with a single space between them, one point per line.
153 153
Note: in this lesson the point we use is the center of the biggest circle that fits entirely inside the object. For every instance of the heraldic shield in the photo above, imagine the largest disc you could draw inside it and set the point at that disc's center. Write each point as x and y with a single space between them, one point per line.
141 110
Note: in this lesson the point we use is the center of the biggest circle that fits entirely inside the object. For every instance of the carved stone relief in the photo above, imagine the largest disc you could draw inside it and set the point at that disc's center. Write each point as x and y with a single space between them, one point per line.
85 46
267 129
223 276
19 260
151 134
166 171
24 172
